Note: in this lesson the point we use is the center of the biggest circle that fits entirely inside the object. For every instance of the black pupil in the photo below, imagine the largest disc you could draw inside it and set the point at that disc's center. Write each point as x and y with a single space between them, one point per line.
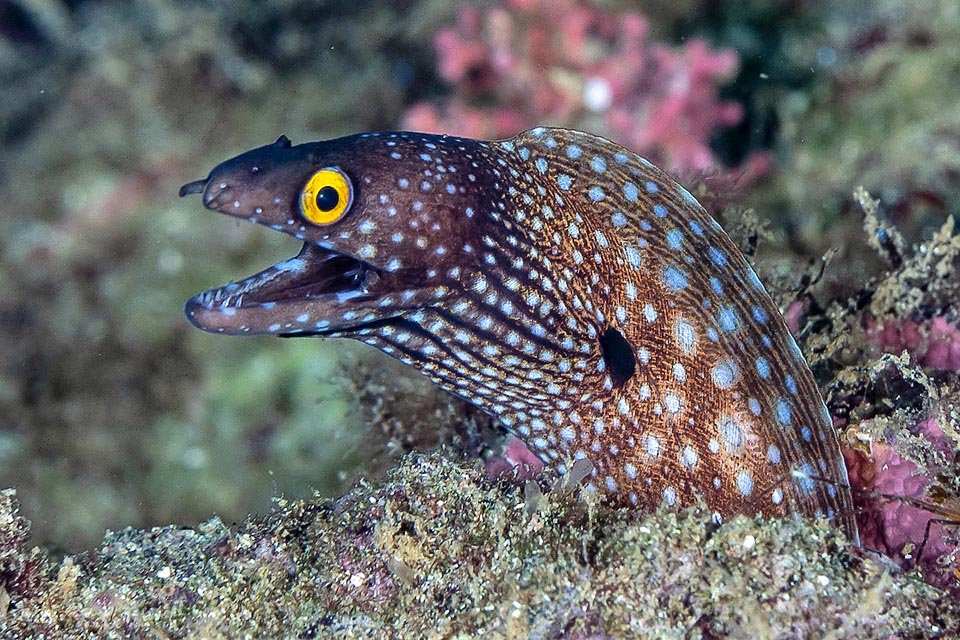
327 198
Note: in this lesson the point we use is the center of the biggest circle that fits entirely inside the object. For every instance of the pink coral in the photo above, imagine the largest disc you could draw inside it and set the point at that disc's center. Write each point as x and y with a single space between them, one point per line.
934 344
892 492
568 63
516 461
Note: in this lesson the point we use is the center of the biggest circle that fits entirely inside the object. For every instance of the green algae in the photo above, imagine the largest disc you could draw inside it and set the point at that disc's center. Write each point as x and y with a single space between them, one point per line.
439 551
882 114
113 412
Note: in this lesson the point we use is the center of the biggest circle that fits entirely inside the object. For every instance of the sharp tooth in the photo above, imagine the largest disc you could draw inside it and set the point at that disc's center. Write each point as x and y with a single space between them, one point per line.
295 265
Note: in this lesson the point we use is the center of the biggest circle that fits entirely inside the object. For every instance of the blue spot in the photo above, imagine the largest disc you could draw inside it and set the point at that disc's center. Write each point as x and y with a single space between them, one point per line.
620 157
524 153
618 219
425 157
696 228
674 278
725 374
541 165
598 164
550 142
804 477
791 385
564 181
754 280
794 349
763 367
689 198
719 257
660 211
595 193
645 225
712 334
631 192
573 152
759 315
728 320
806 433
652 187
674 238
716 286
766 342
745 483
784 416
506 145
754 405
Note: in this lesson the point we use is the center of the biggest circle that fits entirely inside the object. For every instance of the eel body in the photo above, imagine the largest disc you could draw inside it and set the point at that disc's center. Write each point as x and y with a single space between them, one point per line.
557 281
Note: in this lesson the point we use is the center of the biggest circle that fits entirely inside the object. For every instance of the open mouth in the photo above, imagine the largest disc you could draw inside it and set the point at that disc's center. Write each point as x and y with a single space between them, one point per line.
313 274
293 296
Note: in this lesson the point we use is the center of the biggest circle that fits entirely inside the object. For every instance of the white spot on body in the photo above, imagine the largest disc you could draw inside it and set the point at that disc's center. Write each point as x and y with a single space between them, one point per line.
745 482
679 373
651 445
725 374
689 457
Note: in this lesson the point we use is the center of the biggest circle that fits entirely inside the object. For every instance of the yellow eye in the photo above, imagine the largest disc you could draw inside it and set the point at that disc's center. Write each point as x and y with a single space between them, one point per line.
326 196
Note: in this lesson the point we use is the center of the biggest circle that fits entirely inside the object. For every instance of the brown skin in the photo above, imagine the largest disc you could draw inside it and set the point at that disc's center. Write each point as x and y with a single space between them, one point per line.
558 282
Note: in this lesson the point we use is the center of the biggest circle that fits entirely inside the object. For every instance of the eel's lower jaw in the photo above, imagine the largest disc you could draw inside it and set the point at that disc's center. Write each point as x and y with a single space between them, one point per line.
305 294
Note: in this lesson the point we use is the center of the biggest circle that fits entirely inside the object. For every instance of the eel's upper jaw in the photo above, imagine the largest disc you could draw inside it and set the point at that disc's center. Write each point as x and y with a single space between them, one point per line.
305 294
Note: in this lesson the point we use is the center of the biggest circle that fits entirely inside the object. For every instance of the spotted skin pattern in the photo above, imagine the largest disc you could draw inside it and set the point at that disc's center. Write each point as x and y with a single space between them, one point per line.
564 285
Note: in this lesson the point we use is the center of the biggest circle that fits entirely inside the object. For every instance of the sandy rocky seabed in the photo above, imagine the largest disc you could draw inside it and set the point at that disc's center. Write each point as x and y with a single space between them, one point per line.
438 550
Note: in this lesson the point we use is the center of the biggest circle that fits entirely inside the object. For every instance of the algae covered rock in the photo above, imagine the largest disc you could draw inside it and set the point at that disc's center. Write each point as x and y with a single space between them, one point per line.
437 550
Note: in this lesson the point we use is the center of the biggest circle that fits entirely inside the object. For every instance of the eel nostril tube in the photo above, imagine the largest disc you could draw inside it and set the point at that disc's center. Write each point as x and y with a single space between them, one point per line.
197 186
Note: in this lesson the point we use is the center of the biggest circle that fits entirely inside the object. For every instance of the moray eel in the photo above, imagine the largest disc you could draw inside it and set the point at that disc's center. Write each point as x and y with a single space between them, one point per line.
558 282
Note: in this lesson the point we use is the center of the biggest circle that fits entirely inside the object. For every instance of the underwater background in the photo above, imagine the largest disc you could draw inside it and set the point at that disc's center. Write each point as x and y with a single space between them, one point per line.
825 136
115 413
